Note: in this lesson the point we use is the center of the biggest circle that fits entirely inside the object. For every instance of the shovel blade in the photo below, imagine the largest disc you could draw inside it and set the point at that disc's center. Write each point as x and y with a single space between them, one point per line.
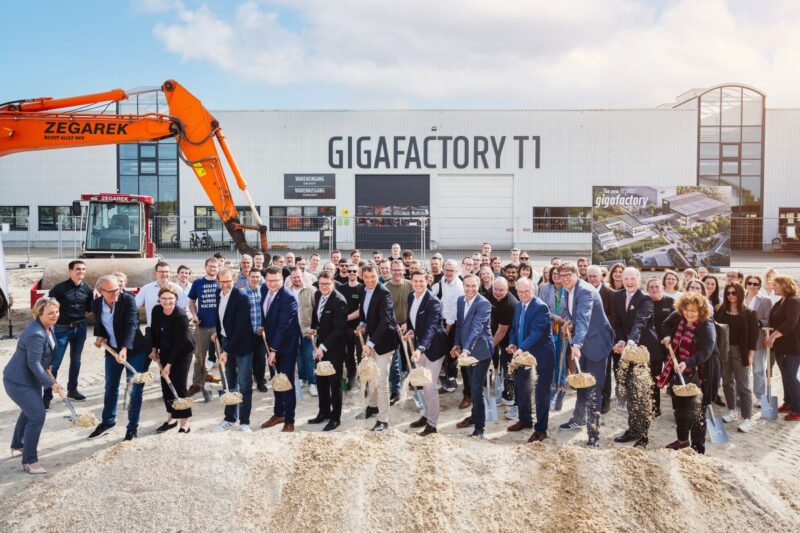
715 428
298 390
769 407
558 403
419 400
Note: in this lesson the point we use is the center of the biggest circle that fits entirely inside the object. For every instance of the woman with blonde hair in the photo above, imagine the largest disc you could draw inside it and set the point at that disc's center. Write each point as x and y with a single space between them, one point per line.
785 340
672 284
24 377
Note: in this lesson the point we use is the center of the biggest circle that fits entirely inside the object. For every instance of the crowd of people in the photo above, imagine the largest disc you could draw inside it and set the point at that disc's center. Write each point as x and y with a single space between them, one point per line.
286 317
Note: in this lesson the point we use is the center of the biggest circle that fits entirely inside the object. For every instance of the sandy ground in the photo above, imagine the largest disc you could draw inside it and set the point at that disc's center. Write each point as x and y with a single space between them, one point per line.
353 480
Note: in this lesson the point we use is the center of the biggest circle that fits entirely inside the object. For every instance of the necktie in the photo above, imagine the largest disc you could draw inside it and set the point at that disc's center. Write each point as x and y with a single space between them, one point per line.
322 302
628 301
269 303
521 332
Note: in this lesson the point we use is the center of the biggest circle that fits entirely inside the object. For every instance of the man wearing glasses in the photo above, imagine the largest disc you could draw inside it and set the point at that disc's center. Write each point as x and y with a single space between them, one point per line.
117 326
351 290
448 291
147 296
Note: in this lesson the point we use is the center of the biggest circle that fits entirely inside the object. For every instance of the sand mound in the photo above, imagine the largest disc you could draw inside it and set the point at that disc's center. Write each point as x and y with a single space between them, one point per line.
363 481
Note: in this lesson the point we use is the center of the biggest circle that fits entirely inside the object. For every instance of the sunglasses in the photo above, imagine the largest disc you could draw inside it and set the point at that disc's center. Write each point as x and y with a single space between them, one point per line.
524 257
730 294
352 271
753 284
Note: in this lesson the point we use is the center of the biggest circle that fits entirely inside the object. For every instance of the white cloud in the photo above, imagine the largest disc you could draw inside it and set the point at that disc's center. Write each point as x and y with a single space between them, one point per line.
536 53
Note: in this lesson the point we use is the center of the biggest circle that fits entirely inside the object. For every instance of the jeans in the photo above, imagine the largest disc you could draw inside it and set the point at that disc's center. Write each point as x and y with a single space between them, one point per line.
113 373
789 365
760 372
73 337
395 372
305 361
30 421
477 380
239 373
587 406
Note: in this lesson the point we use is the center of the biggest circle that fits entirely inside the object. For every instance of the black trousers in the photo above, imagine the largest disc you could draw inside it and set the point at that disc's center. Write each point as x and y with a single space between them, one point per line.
691 420
352 355
179 374
259 361
450 364
330 389
612 367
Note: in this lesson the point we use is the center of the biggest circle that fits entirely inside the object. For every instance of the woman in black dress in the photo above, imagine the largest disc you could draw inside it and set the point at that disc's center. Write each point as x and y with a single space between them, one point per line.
172 347
694 341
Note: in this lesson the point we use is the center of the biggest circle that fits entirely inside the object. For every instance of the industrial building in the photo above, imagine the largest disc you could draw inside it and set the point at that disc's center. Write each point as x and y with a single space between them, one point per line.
517 177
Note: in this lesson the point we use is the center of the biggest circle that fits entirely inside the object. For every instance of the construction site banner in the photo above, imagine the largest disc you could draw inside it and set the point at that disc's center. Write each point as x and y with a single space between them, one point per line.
661 227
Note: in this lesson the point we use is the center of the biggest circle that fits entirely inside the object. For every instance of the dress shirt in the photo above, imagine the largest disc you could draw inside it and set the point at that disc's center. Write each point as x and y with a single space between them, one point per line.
450 293
223 304
107 319
571 301
412 313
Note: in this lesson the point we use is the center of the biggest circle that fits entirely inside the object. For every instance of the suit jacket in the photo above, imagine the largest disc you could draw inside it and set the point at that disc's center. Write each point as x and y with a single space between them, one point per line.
281 324
125 322
607 296
331 326
428 327
535 334
635 323
474 330
182 341
785 317
28 365
591 330
238 329
379 319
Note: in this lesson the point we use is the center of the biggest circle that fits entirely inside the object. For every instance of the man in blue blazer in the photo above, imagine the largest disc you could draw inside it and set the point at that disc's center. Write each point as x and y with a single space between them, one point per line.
531 332
282 328
117 325
474 337
592 338
235 333
425 325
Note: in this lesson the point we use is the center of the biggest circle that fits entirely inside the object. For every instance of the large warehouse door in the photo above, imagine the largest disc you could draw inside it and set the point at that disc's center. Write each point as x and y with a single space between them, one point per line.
474 209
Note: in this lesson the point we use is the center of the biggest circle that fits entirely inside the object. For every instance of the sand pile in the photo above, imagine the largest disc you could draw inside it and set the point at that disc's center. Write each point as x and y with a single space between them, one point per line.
362 481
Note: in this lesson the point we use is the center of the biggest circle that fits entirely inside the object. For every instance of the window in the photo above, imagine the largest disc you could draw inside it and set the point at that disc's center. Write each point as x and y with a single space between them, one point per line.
206 217
562 219
15 216
299 218
51 216
788 222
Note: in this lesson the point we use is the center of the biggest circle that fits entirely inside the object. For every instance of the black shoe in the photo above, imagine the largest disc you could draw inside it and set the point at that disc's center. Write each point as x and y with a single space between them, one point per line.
331 425
422 422
394 399
593 442
76 396
166 426
371 411
478 434
184 430
571 425
262 388
46 403
99 430
319 419
641 443
657 414
625 437
606 407
380 426
130 434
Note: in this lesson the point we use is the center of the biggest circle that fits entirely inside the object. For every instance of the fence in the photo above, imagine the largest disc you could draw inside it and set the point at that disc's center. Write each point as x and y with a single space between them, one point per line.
453 236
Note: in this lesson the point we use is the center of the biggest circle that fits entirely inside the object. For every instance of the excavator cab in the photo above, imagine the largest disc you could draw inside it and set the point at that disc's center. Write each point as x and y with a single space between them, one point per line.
117 225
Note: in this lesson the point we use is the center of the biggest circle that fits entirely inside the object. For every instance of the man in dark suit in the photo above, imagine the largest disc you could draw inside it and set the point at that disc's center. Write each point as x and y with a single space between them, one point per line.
663 306
425 328
594 276
379 328
633 326
329 324
282 328
235 333
474 337
117 325
592 339
531 332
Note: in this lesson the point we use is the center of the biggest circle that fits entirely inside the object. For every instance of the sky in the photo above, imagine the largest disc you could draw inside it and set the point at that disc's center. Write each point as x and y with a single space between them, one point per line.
411 54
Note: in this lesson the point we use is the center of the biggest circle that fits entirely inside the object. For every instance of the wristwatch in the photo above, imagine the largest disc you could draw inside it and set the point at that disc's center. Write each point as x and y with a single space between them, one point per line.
421 349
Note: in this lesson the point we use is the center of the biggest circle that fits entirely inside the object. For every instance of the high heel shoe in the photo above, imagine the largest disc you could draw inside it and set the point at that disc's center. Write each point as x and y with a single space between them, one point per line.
184 430
34 470
16 452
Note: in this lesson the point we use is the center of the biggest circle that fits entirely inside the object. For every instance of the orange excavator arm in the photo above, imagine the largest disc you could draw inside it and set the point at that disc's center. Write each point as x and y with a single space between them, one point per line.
39 124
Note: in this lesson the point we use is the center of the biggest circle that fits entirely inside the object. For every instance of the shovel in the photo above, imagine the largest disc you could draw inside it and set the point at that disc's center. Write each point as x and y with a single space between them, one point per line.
187 402
298 395
769 403
137 377
489 398
419 397
73 416
557 402
716 429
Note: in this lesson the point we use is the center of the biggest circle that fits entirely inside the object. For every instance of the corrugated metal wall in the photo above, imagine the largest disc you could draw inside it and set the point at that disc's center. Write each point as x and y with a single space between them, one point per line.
781 166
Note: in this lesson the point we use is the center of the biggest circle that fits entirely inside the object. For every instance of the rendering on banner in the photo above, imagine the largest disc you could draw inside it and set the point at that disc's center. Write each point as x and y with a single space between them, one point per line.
661 227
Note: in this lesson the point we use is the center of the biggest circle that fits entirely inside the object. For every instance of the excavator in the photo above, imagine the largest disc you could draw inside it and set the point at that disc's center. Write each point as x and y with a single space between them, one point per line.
118 225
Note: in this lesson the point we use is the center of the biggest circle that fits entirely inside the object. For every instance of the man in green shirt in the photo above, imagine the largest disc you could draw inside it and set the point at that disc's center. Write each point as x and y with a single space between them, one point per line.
400 288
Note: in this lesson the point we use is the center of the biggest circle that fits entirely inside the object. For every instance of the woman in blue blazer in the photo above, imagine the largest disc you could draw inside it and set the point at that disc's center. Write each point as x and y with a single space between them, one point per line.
24 377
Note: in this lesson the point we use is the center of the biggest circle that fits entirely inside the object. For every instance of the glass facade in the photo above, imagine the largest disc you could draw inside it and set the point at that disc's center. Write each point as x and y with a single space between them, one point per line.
731 152
151 168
